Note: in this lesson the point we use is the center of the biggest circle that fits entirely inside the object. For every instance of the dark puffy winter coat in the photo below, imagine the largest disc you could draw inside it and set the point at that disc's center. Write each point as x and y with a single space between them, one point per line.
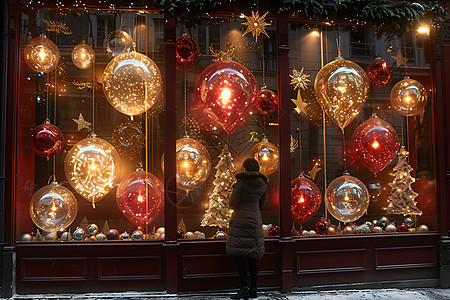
245 235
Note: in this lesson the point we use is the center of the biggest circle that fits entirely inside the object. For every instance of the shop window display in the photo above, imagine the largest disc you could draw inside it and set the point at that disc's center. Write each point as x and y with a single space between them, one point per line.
358 122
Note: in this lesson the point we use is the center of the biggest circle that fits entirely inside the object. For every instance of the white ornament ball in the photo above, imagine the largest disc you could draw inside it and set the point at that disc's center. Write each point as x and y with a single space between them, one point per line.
377 229
391 228
100 237
188 235
161 230
26 237
50 236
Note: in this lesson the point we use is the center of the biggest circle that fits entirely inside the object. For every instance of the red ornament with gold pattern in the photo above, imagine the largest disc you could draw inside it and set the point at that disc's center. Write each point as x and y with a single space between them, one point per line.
305 199
46 140
379 72
140 197
187 50
376 143
227 91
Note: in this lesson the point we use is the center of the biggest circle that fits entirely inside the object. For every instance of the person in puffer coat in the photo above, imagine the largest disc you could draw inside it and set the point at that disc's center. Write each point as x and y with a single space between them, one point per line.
245 237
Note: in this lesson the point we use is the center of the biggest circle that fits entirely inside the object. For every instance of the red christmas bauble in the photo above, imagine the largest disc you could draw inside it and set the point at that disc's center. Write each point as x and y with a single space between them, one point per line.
180 233
321 227
305 199
274 231
266 101
402 227
140 197
379 72
46 140
227 91
112 234
187 50
376 143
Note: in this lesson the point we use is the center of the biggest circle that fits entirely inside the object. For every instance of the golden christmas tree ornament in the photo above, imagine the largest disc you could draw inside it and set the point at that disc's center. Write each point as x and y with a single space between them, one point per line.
342 88
82 123
118 42
408 97
83 56
255 24
400 59
53 208
92 168
132 83
267 156
41 54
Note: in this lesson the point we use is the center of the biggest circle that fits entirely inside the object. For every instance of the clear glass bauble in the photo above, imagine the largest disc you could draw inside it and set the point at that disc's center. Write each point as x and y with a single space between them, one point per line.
53 208
267 156
341 87
92 168
83 56
408 97
132 83
41 54
347 198
140 197
118 42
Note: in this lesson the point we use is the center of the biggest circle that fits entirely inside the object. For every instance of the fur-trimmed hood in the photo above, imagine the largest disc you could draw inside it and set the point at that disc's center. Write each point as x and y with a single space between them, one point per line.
251 175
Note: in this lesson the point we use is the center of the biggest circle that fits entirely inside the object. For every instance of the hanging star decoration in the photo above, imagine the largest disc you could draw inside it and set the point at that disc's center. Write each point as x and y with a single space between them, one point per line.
255 24
221 54
82 123
400 59
313 172
299 80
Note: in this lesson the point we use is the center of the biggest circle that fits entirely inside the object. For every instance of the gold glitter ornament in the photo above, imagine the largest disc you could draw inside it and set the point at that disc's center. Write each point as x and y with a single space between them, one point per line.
83 56
255 24
267 156
41 54
53 208
92 168
132 83
118 42
128 139
408 97
341 88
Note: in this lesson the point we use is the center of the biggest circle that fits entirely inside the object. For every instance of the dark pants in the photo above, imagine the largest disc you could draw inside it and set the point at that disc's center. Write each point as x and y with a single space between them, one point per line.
253 268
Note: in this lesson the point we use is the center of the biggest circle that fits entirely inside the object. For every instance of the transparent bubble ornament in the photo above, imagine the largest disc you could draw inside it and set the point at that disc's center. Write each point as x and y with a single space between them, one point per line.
83 56
92 168
408 97
41 54
132 83
341 88
118 42
53 208
347 198
267 156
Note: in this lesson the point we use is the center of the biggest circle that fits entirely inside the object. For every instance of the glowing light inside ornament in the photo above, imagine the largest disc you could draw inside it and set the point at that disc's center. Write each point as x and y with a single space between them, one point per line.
305 199
408 97
41 54
375 144
267 156
83 56
92 168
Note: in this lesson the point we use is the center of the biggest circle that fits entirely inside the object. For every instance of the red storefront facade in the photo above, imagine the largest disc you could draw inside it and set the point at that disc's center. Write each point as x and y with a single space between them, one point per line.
179 265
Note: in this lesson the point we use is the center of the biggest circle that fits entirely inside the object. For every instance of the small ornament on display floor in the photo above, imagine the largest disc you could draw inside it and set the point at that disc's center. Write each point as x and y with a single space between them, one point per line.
423 227
124 236
180 233
383 222
409 222
137 235
321 227
92 229
220 235
105 227
26 237
331 230
100 237
391 228
66 236
402 227
188 235
377 229
348 230
401 201
274 231
112 234
78 234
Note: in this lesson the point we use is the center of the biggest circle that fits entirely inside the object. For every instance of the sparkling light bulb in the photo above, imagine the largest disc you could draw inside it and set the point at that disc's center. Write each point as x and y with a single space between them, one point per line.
408 97
41 54
53 208
92 168
302 199
375 144
225 96
266 154
83 56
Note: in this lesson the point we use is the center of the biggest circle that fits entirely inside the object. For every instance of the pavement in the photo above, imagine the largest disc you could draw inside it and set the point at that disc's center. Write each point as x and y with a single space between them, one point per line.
379 294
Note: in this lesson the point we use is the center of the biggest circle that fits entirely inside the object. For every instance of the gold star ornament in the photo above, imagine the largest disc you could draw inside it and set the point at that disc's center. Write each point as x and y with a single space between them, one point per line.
82 123
298 79
300 104
255 24
400 59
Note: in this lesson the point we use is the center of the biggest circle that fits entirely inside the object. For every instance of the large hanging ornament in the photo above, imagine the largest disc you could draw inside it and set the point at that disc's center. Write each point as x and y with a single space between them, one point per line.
376 143
341 88
379 72
266 101
347 198
187 50
305 199
128 139
92 168
193 164
227 90
267 156
41 54
118 42
132 83
408 97
83 56
53 208
140 197
46 140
